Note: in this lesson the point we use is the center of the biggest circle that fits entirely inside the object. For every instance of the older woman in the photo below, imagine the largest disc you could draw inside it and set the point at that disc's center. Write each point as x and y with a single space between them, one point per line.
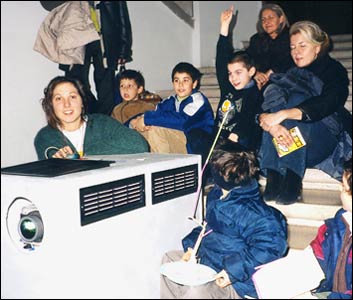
71 133
310 96
269 47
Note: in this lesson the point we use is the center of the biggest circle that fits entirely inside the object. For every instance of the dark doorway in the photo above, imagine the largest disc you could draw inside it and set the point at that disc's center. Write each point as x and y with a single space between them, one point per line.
334 17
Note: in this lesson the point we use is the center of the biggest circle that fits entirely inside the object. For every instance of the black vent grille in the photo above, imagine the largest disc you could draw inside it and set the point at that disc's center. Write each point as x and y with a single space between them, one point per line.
110 199
174 183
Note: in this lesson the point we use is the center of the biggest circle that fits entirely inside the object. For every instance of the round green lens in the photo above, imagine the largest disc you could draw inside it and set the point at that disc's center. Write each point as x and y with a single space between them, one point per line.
28 229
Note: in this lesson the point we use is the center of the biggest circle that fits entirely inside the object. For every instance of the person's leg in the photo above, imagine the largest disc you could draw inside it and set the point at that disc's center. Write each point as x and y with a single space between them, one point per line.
274 181
172 290
104 79
168 288
291 189
81 72
165 140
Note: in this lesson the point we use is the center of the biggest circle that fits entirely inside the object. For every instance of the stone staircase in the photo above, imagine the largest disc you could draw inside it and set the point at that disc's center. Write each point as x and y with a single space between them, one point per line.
321 196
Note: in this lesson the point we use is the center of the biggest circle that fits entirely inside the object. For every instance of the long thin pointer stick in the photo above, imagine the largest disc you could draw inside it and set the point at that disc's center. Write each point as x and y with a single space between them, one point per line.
206 162
197 244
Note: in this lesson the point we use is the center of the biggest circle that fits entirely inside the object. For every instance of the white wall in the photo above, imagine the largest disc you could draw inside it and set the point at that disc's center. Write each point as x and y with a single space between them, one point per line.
160 40
210 12
24 74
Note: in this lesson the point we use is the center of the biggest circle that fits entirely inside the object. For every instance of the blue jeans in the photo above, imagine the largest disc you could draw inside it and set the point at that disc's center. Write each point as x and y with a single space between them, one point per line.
320 143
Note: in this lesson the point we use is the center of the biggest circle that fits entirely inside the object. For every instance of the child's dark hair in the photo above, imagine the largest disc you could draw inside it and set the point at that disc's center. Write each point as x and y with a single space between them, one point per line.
133 75
185 67
236 164
347 169
242 57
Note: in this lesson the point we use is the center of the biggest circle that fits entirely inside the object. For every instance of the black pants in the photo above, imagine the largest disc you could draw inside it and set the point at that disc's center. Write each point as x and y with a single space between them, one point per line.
103 79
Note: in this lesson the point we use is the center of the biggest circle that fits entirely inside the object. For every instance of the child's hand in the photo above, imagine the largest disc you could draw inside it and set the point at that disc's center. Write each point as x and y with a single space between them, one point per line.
186 256
227 15
226 18
222 279
139 125
233 137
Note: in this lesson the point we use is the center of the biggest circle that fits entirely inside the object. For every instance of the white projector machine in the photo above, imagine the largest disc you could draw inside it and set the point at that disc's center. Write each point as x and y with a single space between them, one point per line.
99 233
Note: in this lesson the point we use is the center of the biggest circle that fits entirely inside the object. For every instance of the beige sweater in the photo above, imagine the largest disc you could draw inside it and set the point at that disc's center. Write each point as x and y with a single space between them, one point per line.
64 33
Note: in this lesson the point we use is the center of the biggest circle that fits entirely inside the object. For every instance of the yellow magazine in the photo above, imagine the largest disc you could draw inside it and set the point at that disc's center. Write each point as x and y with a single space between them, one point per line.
298 142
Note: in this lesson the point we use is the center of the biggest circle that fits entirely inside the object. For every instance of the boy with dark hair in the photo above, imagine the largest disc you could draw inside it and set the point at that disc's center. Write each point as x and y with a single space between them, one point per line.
240 97
132 90
244 231
183 122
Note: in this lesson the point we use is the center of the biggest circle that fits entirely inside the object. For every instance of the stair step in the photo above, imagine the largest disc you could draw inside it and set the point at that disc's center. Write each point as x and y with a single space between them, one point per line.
315 180
300 236
341 54
342 45
341 37
347 63
304 218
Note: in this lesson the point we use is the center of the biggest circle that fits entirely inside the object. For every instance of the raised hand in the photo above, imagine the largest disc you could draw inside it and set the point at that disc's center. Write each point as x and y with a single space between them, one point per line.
226 18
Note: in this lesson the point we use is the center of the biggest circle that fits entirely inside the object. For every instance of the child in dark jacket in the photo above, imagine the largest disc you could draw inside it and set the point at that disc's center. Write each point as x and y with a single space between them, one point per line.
244 232
333 246
240 98
182 123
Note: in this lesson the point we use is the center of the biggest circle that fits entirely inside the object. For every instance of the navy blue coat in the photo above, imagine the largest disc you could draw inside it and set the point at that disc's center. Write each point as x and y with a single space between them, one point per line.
246 233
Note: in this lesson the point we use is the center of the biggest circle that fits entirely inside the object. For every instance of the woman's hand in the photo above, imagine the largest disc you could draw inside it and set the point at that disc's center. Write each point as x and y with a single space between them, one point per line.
267 120
282 135
261 79
222 279
63 152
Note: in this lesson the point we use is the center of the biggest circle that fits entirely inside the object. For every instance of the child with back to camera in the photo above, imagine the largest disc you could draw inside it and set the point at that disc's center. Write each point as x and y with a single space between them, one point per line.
132 90
244 231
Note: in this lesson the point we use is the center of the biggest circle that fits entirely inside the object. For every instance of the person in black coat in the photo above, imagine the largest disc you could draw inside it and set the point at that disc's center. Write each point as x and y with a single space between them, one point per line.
321 118
269 47
114 48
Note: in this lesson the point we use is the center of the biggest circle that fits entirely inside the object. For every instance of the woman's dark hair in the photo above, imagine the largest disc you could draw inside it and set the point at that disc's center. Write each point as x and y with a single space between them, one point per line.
235 163
47 101
133 75
185 67
278 11
242 57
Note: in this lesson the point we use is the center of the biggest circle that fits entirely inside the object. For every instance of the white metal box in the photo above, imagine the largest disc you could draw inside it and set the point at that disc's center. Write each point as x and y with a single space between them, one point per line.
104 231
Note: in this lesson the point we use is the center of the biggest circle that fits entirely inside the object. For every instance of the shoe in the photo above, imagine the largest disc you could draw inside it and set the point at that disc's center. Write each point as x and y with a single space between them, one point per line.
273 185
291 189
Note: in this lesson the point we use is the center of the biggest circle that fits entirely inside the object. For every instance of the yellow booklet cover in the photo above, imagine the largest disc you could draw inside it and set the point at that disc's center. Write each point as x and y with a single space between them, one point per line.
298 142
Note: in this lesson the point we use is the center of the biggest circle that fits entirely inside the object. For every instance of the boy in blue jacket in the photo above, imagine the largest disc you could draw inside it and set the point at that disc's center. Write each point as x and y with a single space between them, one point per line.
333 246
183 122
244 232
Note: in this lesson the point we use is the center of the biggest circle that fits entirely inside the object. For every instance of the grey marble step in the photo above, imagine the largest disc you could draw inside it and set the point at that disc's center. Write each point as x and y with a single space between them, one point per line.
341 37
342 45
305 217
341 54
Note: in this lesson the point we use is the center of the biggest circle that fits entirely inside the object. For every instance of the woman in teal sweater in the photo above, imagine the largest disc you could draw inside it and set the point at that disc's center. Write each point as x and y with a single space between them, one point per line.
71 133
